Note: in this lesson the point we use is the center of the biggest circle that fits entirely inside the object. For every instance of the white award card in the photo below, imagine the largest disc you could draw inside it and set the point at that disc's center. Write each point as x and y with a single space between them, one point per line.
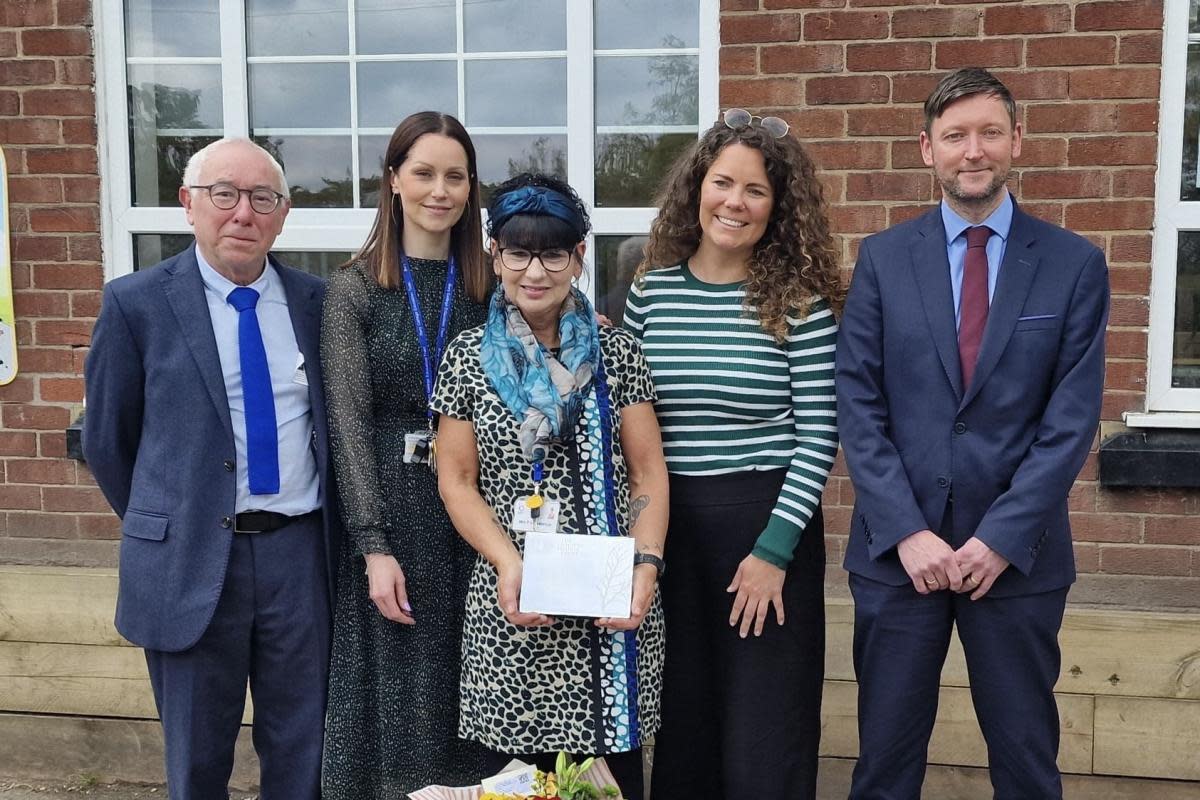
576 575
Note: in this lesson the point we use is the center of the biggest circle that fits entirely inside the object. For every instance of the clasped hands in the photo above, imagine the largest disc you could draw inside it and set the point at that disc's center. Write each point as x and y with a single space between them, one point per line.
933 565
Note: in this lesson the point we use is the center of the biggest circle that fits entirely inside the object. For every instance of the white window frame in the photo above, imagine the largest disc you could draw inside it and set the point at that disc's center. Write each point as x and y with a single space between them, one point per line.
1167 406
346 229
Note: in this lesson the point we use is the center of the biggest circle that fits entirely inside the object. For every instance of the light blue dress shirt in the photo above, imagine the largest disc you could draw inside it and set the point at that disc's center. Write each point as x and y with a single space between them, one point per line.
298 483
1000 221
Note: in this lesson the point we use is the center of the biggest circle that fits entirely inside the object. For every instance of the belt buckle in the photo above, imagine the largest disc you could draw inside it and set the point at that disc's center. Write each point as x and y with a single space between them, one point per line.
237 529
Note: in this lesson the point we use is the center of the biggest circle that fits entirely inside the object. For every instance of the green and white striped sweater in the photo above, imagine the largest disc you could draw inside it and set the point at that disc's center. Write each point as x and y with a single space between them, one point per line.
731 398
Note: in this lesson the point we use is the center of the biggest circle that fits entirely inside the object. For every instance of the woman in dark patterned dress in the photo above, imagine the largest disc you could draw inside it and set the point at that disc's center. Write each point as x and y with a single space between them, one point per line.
393 695
539 389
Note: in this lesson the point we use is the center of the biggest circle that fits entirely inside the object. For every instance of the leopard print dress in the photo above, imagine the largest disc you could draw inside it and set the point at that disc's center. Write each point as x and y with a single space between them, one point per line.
569 686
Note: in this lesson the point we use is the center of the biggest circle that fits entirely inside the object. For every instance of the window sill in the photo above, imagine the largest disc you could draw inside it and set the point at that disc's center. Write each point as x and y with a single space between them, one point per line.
1151 458
1177 420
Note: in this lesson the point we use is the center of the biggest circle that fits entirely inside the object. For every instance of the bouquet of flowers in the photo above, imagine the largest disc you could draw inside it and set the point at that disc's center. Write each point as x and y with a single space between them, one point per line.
565 783
589 780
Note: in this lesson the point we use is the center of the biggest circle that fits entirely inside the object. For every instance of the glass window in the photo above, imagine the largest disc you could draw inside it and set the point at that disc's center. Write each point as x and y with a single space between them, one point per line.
602 93
617 259
1174 337
1185 361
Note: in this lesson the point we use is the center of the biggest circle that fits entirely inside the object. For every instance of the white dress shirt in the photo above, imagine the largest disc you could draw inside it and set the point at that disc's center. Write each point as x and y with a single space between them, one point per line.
298 484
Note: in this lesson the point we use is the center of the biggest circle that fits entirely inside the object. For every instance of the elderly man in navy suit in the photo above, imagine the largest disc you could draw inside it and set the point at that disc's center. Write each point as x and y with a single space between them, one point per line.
970 368
206 431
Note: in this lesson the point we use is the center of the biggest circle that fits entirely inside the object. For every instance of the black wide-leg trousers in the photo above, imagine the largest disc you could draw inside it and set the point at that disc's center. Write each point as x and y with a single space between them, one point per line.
740 717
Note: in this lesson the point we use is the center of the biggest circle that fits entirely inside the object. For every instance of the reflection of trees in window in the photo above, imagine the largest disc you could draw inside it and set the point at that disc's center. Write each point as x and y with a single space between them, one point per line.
333 192
542 156
154 107
674 81
630 166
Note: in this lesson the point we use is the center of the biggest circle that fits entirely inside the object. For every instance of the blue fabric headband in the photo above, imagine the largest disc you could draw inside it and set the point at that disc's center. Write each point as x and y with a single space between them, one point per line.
538 201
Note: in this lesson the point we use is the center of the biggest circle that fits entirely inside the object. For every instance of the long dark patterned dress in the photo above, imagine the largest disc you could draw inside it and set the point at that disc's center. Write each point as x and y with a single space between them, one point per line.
393 689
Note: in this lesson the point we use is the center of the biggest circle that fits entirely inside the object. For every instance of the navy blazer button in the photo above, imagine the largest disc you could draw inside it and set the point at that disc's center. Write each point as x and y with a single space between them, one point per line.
226 522
960 427
943 482
229 465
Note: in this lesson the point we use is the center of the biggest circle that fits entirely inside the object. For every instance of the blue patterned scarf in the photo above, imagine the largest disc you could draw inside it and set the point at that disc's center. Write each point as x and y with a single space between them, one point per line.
545 393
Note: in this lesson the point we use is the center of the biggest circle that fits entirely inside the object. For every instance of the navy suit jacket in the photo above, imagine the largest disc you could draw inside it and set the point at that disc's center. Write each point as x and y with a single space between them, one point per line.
157 437
997 459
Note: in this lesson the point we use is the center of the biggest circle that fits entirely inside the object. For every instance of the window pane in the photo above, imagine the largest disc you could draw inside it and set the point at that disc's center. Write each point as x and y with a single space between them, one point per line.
299 96
1185 369
502 157
617 258
172 28
405 26
1190 190
176 97
321 263
506 25
173 112
630 167
629 24
655 90
158 168
151 248
317 168
542 99
371 150
1193 14
297 27
390 91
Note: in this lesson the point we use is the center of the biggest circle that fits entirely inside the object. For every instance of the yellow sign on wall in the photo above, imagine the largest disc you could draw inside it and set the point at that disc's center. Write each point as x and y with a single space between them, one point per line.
8 320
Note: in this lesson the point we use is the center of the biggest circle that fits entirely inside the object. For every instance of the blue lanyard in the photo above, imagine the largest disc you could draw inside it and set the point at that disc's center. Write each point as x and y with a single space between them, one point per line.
429 361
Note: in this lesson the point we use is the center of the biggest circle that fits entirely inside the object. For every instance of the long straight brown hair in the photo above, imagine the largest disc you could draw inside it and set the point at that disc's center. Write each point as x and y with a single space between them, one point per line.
381 252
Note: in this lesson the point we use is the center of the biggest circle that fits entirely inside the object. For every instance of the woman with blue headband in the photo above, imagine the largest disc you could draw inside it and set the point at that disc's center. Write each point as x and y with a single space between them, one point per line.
539 406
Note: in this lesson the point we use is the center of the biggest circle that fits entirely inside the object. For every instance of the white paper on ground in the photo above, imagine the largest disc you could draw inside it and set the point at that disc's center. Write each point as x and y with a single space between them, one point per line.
577 575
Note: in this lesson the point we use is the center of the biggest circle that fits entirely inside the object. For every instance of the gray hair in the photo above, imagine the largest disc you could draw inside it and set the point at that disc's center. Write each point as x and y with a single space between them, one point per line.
195 164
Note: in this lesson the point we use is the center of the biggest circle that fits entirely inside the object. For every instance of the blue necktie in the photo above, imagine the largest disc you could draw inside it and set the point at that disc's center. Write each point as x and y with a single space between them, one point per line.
262 434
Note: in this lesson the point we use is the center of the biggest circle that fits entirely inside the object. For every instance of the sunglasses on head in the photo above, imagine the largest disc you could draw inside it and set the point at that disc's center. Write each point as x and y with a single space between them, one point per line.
740 118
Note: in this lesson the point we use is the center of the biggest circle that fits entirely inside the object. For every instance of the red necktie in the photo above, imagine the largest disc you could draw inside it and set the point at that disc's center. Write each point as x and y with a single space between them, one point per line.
973 304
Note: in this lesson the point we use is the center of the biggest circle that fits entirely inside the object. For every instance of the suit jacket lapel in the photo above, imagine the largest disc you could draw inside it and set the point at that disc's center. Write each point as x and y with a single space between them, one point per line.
931 268
304 307
1012 287
185 294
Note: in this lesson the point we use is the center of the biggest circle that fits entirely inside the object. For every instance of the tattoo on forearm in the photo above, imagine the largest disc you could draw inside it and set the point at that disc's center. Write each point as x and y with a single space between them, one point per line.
636 508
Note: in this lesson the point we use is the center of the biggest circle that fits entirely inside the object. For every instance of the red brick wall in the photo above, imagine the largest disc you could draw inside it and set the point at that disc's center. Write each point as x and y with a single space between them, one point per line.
850 76
48 504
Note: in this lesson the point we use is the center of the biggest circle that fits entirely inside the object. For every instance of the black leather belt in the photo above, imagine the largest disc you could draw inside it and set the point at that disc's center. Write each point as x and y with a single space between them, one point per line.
264 521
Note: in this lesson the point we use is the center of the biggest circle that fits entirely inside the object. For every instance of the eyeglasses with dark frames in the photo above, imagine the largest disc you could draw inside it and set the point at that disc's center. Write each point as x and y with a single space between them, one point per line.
226 196
741 118
517 259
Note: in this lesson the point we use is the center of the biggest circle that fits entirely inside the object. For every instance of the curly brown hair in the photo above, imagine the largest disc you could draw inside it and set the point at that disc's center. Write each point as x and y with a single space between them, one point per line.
794 263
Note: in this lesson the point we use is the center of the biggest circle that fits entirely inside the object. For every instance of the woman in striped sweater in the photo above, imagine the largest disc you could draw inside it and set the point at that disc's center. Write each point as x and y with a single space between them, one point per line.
734 304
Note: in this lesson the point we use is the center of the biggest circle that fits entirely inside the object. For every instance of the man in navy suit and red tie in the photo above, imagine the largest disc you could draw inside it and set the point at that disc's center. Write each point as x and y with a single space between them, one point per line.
206 431
970 368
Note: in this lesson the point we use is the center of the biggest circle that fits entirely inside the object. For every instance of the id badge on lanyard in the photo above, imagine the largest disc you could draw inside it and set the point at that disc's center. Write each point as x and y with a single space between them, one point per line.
535 512
420 447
